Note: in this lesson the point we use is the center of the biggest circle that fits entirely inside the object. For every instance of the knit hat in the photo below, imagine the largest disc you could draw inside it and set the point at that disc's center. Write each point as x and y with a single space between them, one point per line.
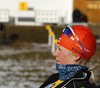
80 41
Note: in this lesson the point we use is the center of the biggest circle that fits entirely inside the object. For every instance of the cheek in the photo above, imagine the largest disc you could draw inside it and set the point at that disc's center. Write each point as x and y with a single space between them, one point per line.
63 58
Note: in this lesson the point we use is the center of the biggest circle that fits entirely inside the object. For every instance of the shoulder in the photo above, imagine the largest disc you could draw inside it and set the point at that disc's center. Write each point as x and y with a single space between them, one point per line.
81 83
50 80
53 77
80 80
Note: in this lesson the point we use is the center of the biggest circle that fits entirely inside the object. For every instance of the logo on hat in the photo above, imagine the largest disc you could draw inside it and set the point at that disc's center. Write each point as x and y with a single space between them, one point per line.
72 38
81 48
78 52
59 39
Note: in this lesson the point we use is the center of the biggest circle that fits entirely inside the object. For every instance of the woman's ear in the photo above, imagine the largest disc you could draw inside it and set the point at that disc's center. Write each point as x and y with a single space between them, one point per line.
76 58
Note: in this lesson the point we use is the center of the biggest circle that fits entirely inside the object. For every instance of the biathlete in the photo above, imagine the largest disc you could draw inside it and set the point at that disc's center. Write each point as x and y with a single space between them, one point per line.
75 48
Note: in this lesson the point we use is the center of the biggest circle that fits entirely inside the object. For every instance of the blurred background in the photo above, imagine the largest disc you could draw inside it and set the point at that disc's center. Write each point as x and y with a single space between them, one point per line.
29 30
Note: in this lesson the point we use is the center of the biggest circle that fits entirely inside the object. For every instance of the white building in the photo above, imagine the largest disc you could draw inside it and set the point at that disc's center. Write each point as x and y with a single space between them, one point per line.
33 12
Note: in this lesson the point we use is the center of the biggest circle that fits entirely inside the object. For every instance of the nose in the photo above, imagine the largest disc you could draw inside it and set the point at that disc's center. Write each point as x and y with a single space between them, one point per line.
55 53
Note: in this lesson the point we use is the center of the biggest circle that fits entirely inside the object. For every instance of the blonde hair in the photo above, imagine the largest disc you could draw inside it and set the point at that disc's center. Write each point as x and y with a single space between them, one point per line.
83 62
80 61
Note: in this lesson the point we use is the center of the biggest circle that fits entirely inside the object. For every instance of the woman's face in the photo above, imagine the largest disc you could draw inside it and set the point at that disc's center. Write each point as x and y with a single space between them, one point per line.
63 55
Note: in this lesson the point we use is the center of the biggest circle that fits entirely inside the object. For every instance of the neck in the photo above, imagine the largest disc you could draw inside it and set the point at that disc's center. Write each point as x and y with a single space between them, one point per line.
67 71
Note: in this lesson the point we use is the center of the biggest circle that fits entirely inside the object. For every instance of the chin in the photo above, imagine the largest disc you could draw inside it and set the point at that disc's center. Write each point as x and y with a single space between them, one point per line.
57 61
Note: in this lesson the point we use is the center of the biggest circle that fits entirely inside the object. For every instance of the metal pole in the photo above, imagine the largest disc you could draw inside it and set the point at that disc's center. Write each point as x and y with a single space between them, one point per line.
53 44
49 37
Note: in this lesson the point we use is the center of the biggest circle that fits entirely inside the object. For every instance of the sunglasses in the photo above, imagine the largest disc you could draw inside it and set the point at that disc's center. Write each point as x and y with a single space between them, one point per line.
69 31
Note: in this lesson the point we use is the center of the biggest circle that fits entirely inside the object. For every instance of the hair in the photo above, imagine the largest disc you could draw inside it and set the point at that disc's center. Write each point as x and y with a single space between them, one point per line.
84 62
81 61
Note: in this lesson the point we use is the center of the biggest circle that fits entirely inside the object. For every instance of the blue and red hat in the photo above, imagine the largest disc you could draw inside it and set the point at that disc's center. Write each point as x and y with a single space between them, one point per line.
80 40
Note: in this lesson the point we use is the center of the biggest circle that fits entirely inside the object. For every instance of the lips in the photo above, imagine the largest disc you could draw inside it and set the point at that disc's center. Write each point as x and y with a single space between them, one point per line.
57 61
